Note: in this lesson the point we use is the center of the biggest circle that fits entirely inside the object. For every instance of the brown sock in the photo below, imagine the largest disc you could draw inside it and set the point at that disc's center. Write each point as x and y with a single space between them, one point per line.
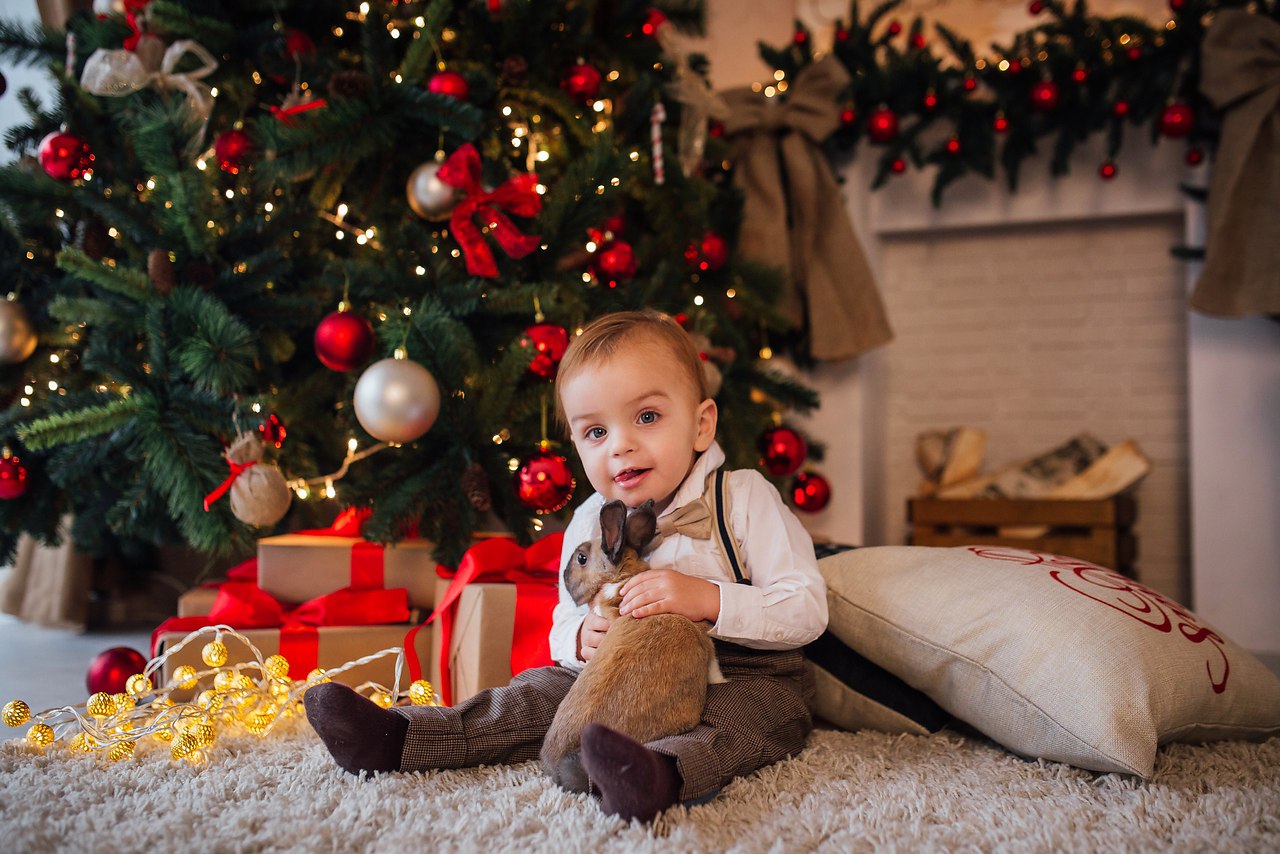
634 781
361 735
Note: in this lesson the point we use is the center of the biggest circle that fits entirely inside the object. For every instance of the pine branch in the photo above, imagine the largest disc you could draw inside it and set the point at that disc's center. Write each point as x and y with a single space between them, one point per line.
111 277
64 427
215 350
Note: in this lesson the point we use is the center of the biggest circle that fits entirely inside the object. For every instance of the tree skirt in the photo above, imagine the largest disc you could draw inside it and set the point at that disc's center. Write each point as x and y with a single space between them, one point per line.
844 792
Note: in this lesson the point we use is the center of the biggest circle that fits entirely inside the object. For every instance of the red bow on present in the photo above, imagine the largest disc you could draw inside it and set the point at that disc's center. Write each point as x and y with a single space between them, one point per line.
242 604
535 572
517 195
236 470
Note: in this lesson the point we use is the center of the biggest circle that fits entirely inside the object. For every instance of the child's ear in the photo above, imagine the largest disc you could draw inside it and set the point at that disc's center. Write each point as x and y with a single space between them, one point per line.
706 419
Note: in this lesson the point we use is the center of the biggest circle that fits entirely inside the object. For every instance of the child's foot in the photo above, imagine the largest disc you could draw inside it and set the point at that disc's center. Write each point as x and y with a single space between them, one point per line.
361 735
635 782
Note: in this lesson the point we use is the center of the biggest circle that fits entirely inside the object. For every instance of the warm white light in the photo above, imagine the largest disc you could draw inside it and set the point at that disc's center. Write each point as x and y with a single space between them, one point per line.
342 210
200 164
53 385
53 357
591 246
542 189
59 213
506 111
635 155
302 492
543 156
420 270
339 234
352 444
329 491
698 300
268 207
231 194
257 407
151 183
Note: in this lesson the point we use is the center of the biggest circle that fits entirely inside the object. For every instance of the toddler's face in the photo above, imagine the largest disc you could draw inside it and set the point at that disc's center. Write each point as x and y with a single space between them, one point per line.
637 425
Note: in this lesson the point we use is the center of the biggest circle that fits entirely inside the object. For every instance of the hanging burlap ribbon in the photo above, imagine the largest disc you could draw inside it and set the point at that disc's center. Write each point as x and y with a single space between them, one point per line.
1241 76
794 217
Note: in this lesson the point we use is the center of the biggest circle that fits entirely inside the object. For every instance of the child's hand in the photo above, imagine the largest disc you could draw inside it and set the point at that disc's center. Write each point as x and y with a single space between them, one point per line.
590 635
665 591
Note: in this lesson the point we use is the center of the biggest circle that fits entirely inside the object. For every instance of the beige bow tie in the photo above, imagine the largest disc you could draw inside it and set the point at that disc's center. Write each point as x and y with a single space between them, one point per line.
692 520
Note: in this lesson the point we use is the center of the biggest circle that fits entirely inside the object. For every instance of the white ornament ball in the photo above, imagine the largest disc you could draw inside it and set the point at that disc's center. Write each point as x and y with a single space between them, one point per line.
429 197
17 335
397 400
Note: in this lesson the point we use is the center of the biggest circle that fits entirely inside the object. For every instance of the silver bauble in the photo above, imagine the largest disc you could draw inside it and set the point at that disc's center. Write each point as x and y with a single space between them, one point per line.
430 197
396 400
17 335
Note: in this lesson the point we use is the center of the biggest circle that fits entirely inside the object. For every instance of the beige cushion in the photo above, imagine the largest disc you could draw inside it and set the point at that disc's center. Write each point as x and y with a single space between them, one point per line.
1051 657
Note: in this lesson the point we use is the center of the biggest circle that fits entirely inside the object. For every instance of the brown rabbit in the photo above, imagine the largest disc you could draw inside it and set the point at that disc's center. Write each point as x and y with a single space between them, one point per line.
648 679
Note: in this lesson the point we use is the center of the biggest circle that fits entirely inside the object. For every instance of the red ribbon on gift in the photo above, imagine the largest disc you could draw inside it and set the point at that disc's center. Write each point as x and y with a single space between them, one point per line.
535 573
516 195
284 114
220 490
245 605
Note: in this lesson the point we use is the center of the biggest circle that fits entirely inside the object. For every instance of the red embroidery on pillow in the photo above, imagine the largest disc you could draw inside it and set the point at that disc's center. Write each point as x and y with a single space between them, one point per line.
1124 595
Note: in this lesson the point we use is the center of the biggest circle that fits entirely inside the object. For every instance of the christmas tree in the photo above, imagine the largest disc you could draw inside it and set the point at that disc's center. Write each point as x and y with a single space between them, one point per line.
350 241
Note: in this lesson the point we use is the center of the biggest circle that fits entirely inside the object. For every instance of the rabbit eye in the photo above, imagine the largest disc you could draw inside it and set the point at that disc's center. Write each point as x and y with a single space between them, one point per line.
582 558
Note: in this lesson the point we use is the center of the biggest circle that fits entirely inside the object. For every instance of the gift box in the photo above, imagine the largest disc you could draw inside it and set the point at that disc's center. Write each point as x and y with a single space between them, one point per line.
298 567
334 646
480 643
197 601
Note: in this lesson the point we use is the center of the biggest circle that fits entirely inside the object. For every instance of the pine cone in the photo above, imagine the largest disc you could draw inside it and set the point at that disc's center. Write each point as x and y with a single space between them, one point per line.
350 85
160 268
92 239
475 483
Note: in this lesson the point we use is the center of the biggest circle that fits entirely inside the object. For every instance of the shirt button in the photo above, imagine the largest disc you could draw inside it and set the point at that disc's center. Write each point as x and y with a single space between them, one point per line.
777 635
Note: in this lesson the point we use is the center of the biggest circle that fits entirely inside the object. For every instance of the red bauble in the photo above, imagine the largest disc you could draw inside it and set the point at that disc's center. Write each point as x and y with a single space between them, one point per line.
894 28
848 116
782 450
953 146
810 492
13 478
449 83
1177 120
273 430
1107 171
710 253
917 41
614 261
1177 5
65 156
112 668
298 45
232 148
549 343
1120 109
898 166
344 340
1080 75
582 83
544 482
1001 124
970 83
1044 96
882 125
930 100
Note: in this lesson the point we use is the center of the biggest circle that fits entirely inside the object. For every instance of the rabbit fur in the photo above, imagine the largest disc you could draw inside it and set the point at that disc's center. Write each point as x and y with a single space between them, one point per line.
649 676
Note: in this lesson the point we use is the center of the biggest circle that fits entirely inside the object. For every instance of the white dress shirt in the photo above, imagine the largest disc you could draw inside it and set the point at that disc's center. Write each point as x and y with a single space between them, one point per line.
784 606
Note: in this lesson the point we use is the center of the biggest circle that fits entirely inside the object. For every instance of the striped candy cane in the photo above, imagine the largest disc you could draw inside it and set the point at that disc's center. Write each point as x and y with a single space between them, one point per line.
656 117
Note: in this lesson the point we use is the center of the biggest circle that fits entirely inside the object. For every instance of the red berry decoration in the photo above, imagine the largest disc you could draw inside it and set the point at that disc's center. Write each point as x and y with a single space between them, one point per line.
1107 171
953 146
1177 120
930 100
1080 75
810 492
582 83
782 450
65 156
544 482
970 83
1195 156
898 166
1177 5
842 34
449 83
1035 7
1001 124
13 478
1120 109
653 21
615 261
847 116
344 340
232 148
1135 53
273 430
549 343
882 125
111 669
894 28
917 41
801 37
1044 96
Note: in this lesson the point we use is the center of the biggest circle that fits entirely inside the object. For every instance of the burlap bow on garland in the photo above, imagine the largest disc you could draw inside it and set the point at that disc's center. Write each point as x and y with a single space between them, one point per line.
794 217
1241 76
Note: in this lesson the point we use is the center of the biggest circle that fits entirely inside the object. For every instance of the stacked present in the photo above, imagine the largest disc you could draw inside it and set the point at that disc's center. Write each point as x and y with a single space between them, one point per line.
325 598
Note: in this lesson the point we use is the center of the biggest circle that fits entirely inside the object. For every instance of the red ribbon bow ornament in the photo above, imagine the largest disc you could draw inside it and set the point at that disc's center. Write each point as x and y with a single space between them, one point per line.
517 195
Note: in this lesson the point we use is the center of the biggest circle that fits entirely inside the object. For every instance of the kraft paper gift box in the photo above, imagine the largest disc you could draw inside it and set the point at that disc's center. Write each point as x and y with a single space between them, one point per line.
336 645
299 567
480 648
196 601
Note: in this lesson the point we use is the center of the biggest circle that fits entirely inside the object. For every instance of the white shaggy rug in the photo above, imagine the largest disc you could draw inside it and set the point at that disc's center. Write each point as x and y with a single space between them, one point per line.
846 792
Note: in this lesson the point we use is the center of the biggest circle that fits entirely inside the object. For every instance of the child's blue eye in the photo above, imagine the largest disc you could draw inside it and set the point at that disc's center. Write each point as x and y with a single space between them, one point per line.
595 433
648 417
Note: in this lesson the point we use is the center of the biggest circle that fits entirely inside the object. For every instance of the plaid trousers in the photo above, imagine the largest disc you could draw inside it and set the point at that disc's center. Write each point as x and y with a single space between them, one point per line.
757 717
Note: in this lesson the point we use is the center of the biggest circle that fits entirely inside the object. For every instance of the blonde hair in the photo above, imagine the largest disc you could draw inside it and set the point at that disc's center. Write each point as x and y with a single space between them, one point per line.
607 335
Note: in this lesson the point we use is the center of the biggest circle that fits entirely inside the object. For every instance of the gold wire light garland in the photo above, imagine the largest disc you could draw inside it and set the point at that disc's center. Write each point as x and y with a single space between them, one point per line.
246 697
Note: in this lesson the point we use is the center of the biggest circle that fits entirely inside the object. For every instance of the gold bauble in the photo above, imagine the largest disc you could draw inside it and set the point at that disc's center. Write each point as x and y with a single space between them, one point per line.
185 677
101 705
138 685
421 693
16 713
203 732
277 667
182 746
17 335
214 653
317 676
121 750
165 734
41 735
123 702
381 698
222 680
82 742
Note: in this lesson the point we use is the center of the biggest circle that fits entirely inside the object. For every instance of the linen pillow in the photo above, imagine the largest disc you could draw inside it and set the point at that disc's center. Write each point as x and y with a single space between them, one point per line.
1050 656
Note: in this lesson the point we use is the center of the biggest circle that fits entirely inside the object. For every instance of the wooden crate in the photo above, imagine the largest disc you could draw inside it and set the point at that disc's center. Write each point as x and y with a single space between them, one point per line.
1097 531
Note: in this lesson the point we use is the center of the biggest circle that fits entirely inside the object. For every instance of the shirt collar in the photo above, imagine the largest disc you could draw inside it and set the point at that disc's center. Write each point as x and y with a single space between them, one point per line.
695 482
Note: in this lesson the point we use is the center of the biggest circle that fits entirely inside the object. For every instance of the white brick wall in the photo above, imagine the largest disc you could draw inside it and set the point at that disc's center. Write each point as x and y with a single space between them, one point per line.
1035 334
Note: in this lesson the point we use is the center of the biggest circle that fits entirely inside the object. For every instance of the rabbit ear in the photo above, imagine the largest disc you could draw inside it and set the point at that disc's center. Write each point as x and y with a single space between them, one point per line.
612 518
642 524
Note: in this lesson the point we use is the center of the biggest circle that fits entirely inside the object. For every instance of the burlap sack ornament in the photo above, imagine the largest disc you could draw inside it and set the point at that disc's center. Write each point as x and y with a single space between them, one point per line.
259 495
